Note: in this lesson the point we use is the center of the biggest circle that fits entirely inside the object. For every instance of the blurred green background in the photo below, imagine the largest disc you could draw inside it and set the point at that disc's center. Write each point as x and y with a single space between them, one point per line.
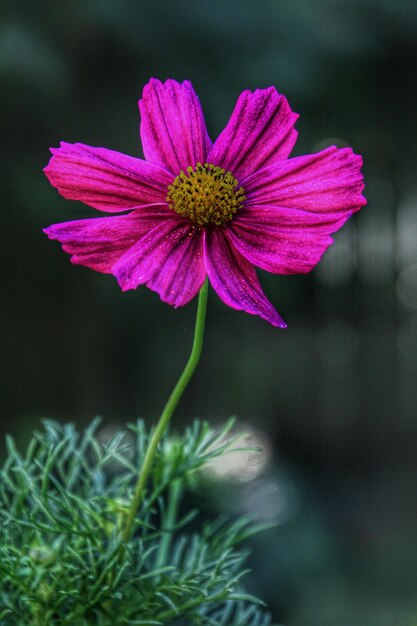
335 395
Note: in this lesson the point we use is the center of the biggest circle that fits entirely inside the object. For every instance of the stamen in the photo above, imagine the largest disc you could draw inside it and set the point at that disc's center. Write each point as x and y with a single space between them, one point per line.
207 194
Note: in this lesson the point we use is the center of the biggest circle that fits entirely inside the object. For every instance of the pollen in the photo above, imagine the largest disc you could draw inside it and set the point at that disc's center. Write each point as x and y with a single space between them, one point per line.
206 194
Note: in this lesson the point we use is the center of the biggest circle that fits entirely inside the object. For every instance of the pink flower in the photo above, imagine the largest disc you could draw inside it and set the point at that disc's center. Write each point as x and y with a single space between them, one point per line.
195 208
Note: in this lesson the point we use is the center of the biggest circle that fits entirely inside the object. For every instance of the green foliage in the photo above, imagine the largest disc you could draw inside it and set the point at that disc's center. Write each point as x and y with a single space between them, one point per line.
62 507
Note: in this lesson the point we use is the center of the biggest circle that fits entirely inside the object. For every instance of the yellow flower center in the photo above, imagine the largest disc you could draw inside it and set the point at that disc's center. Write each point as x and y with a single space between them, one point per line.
207 195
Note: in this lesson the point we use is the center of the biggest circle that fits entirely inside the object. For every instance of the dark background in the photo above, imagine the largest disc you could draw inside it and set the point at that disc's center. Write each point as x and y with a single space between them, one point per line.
335 394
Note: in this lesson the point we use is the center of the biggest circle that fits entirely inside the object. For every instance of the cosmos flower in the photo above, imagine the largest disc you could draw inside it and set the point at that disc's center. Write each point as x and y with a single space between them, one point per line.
194 208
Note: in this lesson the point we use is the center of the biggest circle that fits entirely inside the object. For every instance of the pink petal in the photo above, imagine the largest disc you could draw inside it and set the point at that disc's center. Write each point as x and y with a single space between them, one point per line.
173 130
282 240
260 132
99 242
105 179
330 180
168 259
234 278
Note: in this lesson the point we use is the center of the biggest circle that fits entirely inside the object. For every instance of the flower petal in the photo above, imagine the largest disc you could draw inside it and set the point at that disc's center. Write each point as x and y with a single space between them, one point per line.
259 133
168 259
330 180
99 242
105 179
172 129
282 240
234 278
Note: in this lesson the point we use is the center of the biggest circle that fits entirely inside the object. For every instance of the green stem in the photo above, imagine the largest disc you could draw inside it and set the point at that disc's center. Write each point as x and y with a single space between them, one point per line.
175 492
200 600
168 410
